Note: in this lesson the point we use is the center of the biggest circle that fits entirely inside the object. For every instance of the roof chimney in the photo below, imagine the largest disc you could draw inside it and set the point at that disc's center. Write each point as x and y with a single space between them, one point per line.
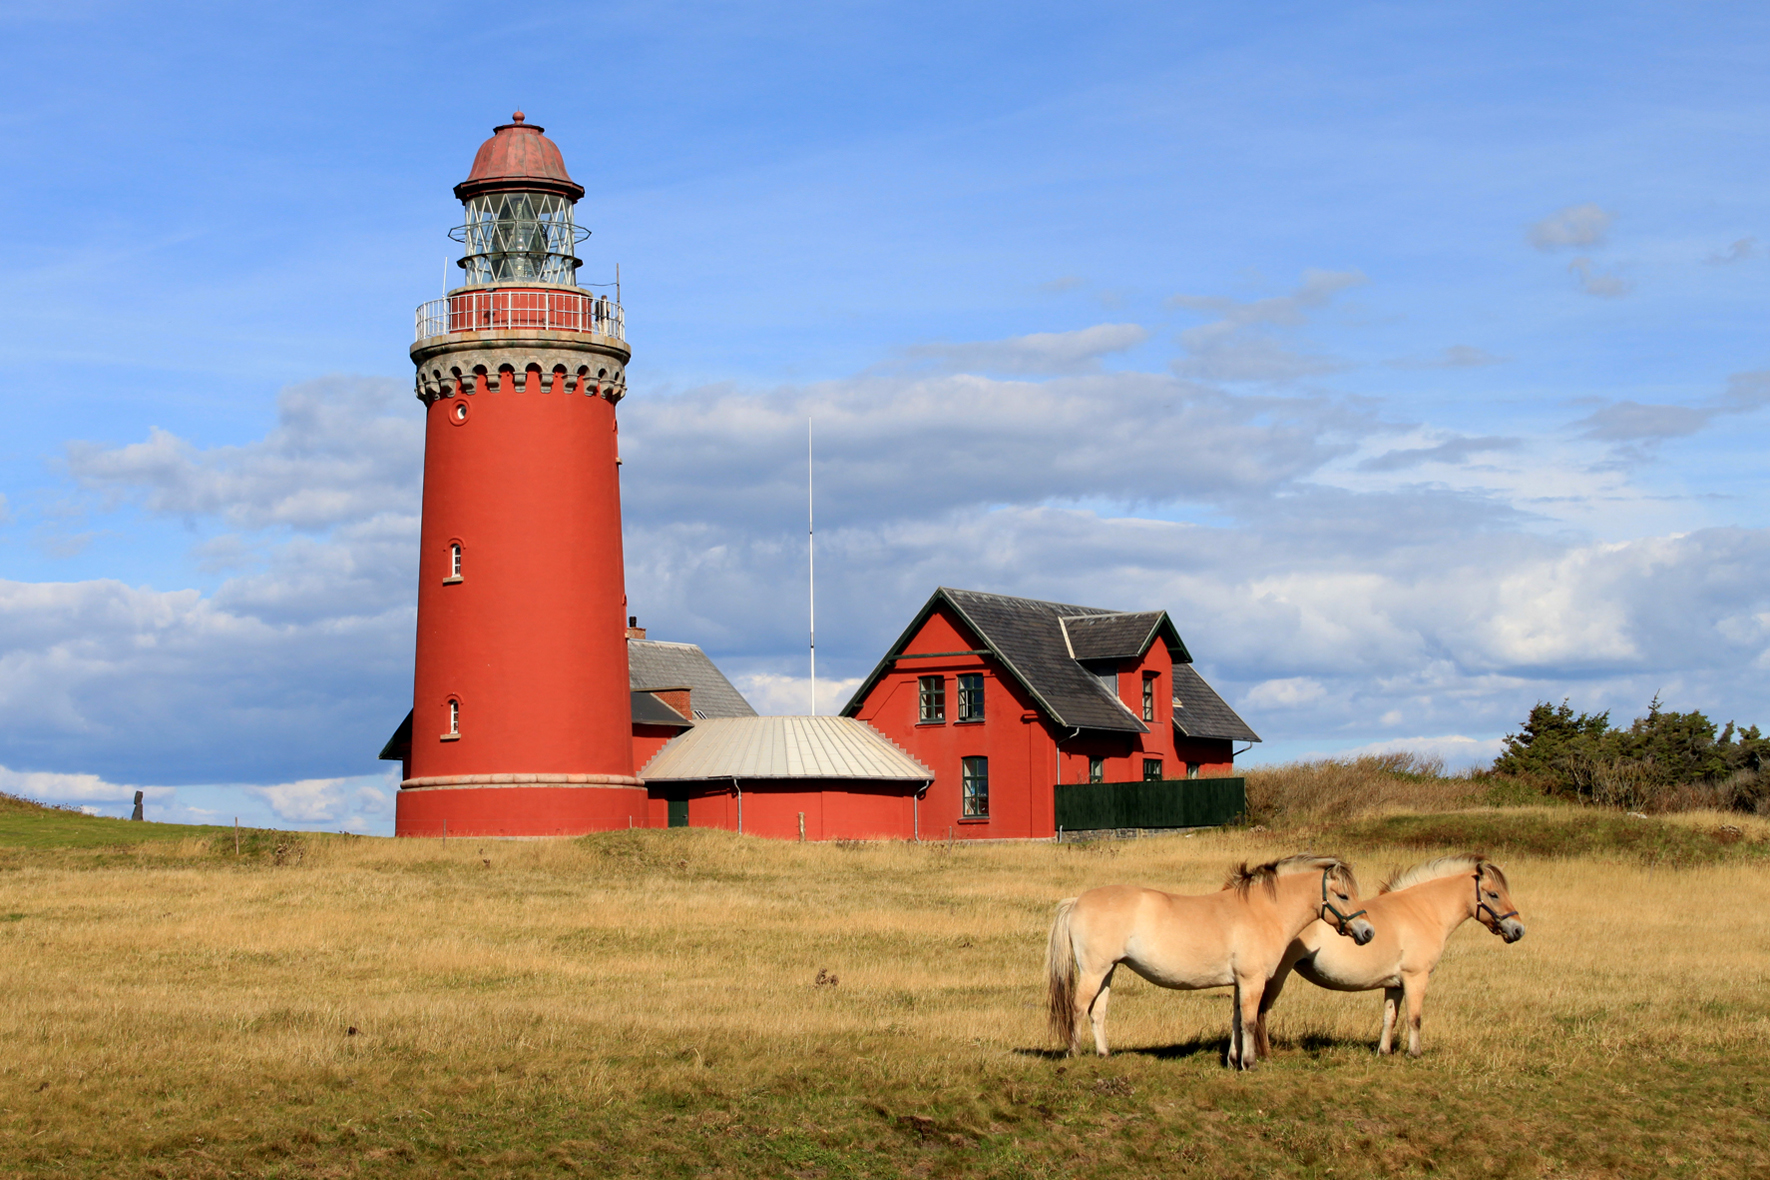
677 699
634 630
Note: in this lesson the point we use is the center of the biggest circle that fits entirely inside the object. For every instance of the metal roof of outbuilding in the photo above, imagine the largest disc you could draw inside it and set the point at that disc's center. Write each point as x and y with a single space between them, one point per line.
784 748
518 158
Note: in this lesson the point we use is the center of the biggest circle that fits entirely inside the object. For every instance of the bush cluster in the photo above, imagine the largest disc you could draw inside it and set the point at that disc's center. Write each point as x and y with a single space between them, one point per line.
1665 761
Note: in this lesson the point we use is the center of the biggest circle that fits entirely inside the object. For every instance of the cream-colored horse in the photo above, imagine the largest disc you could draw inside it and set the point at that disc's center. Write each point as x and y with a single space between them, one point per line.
1414 913
1236 936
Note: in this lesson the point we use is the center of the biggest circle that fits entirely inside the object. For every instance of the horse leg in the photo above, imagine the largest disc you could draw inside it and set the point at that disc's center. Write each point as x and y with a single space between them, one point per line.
1097 1009
1269 997
1414 987
1244 1021
1391 1004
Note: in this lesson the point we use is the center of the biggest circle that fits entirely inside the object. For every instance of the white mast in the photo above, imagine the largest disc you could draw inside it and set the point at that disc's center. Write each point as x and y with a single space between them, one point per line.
811 564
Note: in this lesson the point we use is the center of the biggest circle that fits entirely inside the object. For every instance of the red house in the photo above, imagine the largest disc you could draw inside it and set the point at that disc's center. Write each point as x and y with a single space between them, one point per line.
1001 698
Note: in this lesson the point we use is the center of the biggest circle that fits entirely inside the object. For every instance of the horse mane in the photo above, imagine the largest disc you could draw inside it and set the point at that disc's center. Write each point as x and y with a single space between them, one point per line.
1442 866
1242 878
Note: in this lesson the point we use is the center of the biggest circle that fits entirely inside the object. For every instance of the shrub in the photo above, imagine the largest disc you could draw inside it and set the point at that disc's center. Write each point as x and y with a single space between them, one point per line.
1664 761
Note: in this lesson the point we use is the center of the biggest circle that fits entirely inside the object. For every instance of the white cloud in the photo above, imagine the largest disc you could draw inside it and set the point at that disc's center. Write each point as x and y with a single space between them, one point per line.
362 803
1459 449
1241 345
1457 750
343 449
1287 693
331 800
775 694
1739 251
1456 356
1041 352
1597 282
1576 225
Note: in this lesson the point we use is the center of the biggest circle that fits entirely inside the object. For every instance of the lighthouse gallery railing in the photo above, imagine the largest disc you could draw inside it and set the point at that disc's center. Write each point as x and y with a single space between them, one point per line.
555 311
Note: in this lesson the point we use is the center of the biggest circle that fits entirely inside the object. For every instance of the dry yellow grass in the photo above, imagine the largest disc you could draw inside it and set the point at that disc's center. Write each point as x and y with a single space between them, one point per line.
1338 788
648 1003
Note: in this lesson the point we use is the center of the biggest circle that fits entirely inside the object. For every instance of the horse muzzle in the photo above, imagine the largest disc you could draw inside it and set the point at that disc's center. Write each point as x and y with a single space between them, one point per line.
1511 930
1361 931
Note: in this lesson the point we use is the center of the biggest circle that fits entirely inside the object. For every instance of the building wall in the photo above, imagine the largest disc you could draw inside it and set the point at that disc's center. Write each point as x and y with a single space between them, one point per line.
531 639
833 810
649 739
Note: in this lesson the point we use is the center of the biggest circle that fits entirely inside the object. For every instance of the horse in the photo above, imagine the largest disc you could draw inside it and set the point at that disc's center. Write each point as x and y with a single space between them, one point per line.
1237 936
1414 913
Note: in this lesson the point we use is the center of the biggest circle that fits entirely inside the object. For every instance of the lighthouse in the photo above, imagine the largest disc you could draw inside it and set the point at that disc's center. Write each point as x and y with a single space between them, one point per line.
521 718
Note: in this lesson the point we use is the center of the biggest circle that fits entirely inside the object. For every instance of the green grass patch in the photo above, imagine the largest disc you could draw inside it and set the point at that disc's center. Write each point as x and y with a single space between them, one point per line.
28 825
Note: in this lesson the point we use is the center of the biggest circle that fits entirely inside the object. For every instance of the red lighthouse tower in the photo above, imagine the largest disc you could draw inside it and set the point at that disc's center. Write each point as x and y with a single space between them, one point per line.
521 720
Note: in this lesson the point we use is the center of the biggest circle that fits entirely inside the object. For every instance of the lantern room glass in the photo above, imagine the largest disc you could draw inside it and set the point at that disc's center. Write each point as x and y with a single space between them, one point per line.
519 237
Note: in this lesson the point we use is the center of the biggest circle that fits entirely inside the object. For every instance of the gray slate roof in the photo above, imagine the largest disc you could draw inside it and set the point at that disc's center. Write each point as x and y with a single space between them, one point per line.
1031 640
1121 635
652 663
784 748
1200 713
649 710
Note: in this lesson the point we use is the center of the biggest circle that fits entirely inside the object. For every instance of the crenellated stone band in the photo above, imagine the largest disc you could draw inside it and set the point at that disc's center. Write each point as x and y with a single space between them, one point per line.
472 362
522 780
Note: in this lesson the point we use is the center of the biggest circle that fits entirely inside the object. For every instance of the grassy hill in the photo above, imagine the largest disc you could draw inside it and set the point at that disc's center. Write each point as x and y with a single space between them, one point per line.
28 824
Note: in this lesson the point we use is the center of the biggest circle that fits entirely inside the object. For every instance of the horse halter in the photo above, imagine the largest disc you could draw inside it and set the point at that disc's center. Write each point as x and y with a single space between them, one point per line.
1330 907
1482 905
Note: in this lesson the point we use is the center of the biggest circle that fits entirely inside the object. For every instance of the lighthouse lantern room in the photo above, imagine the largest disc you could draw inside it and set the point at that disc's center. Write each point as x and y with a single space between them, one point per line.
521 718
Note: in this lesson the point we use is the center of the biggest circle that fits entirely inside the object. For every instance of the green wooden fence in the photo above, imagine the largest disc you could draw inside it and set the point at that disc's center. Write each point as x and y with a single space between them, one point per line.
1165 803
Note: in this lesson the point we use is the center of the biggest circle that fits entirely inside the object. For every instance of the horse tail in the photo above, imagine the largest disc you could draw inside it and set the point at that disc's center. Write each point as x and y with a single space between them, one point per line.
1060 975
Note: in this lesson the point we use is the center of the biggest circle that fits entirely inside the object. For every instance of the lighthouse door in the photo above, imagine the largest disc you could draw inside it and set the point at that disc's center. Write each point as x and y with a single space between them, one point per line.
679 813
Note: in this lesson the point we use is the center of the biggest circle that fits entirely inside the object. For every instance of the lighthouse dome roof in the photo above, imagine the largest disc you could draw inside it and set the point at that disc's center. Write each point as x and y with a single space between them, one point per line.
518 157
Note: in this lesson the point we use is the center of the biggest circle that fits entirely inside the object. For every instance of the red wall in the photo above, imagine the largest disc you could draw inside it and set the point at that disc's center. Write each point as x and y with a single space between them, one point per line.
834 810
1022 747
532 639
517 810
648 740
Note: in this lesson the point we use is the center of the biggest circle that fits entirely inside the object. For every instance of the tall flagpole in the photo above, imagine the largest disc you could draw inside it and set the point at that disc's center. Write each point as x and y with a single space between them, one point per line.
811 564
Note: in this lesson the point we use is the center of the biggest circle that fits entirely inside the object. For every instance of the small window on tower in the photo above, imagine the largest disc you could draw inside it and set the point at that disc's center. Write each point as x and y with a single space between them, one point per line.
932 694
971 696
454 562
454 732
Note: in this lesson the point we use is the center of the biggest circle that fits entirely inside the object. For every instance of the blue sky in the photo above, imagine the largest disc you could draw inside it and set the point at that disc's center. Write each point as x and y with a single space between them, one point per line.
1411 356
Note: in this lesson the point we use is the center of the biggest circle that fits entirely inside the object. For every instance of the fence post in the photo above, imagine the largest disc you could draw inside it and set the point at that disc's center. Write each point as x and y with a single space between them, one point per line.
801 827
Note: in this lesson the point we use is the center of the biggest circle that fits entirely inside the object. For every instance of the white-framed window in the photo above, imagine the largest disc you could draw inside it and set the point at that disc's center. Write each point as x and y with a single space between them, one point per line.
1149 679
970 696
454 717
974 788
454 561
931 695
